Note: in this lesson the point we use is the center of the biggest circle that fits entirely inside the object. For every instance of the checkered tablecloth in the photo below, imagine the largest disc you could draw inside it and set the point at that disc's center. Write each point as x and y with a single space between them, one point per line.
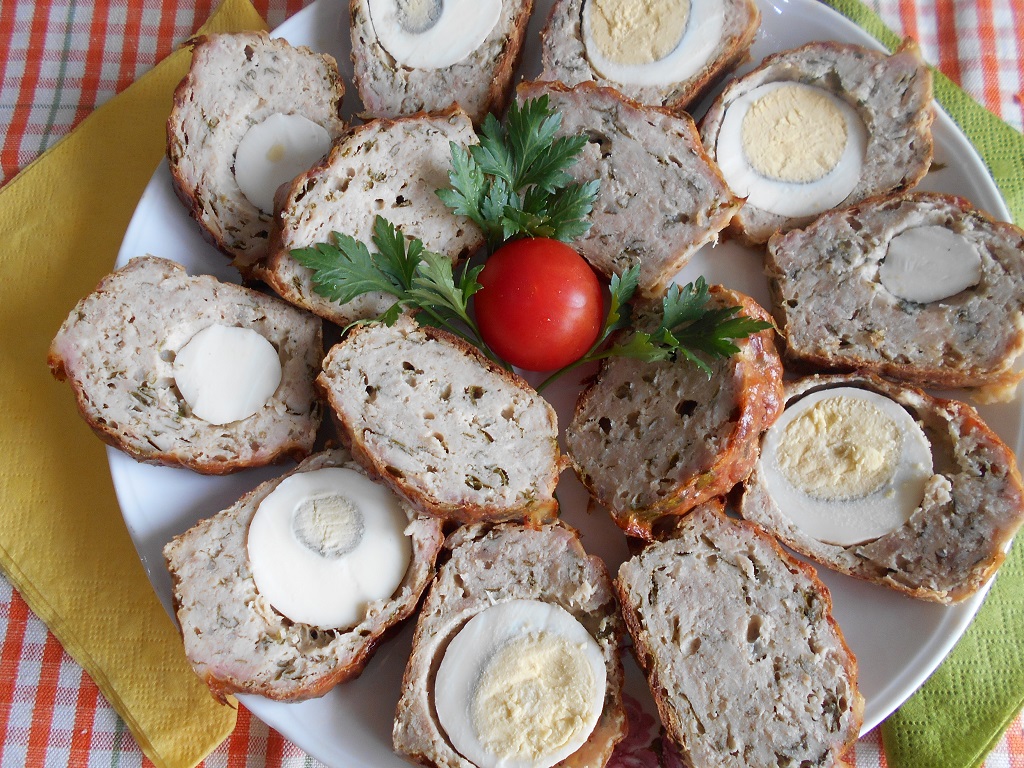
61 59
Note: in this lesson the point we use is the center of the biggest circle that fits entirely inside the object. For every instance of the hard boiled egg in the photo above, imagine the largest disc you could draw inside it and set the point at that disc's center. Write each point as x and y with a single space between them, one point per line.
432 34
651 42
226 373
521 685
846 465
791 149
929 263
325 544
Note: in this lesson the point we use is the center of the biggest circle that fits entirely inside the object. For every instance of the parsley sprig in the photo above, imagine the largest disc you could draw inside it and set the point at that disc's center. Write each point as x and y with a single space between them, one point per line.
515 182
687 326
344 269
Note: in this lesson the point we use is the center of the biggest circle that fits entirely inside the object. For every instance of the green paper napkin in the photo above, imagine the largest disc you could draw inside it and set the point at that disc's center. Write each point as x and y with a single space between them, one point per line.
963 709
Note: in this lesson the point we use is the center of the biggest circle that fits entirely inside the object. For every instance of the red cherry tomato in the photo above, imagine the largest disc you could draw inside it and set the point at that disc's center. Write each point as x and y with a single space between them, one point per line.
541 306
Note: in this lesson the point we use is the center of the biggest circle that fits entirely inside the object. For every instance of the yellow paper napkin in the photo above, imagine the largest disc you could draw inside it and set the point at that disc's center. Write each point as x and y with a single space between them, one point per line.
63 543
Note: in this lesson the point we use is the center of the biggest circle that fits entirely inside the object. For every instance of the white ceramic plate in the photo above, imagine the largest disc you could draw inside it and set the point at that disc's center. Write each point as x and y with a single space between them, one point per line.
898 641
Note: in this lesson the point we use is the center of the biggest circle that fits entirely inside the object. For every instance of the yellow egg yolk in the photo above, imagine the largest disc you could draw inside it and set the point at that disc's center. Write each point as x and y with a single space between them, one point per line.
840 448
638 31
794 134
533 696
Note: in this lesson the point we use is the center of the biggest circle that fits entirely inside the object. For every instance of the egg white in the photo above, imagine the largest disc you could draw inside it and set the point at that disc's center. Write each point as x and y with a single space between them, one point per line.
459 29
226 373
329 590
274 152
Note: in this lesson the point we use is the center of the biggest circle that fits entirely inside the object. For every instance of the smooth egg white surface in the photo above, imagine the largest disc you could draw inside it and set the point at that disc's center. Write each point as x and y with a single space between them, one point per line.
274 152
432 34
226 373
326 543
926 264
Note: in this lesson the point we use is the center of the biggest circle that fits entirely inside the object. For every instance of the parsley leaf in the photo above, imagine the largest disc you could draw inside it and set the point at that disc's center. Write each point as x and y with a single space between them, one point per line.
688 325
417 278
515 182
344 270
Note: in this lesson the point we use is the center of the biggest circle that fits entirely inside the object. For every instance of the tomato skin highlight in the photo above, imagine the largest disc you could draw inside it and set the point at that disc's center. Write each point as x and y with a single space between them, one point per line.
541 306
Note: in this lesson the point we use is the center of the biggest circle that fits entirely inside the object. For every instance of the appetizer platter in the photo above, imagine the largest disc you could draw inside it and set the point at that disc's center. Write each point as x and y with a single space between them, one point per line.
897 640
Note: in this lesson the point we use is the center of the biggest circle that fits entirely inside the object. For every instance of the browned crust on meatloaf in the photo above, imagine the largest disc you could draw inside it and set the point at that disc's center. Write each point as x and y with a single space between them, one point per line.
235 640
470 84
493 564
755 376
956 540
658 664
896 157
564 56
661 196
245 248
533 504
968 340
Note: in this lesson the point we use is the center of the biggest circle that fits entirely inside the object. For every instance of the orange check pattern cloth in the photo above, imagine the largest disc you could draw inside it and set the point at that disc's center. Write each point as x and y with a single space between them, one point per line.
60 59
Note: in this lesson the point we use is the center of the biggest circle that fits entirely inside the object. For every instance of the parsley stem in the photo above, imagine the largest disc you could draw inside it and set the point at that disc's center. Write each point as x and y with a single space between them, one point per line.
591 356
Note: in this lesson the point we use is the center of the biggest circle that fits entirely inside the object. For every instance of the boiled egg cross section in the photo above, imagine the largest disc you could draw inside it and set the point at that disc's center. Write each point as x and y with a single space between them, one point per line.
325 544
791 149
226 373
930 263
273 152
521 685
846 465
432 34
651 42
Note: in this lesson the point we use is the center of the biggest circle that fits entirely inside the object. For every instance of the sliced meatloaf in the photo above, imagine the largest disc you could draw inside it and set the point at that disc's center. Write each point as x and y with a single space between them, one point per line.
235 82
117 348
835 311
661 197
386 167
742 655
891 94
491 565
955 540
479 83
238 643
566 57
454 433
655 439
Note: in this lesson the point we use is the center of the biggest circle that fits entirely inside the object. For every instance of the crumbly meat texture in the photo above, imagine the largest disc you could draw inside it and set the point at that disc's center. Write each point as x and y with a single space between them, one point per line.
480 83
235 640
742 655
955 540
116 349
970 339
891 93
390 168
237 81
654 439
661 197
494 564
565 59
451 431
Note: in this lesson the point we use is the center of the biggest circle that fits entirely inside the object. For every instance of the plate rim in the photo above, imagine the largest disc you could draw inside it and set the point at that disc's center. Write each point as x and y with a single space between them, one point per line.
933 652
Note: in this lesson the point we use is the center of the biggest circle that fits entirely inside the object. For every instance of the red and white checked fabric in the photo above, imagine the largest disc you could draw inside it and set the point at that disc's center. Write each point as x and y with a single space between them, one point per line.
59 60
